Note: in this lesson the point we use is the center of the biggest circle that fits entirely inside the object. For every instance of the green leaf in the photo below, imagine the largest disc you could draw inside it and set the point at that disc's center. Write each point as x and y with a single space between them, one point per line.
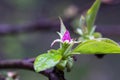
46 61
81 29
69 64
91 15
97 35
62 64
98 46
67 51
82 22
9 78
108 41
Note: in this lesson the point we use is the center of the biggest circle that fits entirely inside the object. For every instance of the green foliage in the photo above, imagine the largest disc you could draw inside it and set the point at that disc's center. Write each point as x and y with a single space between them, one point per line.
97 35
52 58
98 46
62 64
9 78
86 27
67 51
91 15
90 42
69 64
46 61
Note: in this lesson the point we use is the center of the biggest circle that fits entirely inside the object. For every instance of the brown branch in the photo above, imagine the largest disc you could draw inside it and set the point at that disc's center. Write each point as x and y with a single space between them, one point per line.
53 25
27 64
43 24
111 2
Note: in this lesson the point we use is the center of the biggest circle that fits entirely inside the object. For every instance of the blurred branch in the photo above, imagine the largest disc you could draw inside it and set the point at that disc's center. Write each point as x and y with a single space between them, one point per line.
52 25
27 64
43 24
111 2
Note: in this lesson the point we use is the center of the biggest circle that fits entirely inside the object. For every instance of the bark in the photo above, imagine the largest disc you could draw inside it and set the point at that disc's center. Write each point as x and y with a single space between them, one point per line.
27 64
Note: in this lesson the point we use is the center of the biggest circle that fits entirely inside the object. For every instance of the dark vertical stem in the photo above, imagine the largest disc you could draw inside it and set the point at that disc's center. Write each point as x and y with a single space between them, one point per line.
57 75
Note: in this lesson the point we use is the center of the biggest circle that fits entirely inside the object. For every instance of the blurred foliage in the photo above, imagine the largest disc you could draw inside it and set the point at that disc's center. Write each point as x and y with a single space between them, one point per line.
22 11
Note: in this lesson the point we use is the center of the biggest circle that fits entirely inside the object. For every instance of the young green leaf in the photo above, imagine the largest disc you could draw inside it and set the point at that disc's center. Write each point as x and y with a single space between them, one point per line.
67 51
91 15
46 61
62 64
81 27
69 64
98 46
97 35
82 22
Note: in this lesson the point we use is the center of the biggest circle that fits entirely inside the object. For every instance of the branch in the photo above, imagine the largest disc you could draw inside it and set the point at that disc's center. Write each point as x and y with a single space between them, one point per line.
43 24
111 2
53 25
27 64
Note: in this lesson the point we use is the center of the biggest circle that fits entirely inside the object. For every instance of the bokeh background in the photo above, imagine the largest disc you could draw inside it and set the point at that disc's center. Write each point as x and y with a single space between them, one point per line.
26 45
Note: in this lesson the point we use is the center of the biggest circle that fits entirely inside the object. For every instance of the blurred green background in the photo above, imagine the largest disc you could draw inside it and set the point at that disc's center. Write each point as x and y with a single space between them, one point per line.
27 45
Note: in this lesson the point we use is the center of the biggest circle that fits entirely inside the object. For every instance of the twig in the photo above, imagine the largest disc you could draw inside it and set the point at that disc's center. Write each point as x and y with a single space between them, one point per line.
53 25
27 64
43 24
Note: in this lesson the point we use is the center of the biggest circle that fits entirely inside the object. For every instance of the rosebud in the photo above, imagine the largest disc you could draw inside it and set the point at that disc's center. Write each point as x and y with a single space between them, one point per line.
63 38
66 37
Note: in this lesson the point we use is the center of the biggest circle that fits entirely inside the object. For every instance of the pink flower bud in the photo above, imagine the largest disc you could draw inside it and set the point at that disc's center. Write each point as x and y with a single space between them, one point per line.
66 36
